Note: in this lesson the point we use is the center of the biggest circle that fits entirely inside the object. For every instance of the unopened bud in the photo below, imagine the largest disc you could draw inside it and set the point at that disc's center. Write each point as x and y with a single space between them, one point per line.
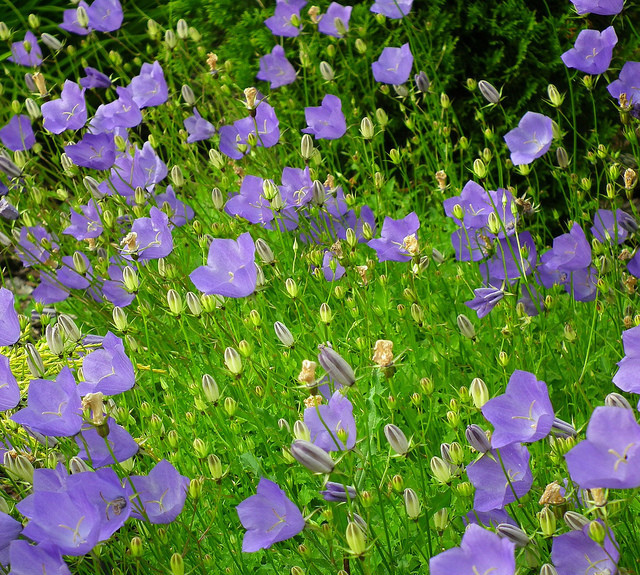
396 438
312 457
326 71
489 92
466 327
233 361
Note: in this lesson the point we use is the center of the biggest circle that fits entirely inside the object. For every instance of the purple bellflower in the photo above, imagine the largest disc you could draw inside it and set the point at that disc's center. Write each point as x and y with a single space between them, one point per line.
485 300
626 377
592 51
326 122
53 407
107 370
121 113
44 558
327 24
480 552
608 228
26 52
276 69
475 203
268 133
338 492
327 423
29 248
113 289
531 139
149 88
394 9
69 112
627 83
332 269
602 7
18 135
250 202
9 324
95 151
514 257
94 79
397 242
101 450
269 516
576 552
490 519
280 23
198 128
494 489
181 213
230 143
570 252
9 531
231 270
87 224
150 238
105 15
9 390
610 456
393 66
161 493
70 20
522 414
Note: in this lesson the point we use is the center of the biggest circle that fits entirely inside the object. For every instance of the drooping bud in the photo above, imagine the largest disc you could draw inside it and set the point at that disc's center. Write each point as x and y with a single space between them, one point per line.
312 457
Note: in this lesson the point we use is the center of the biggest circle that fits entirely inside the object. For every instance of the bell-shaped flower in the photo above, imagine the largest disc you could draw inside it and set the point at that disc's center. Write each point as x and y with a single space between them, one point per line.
332 427
87 224
327 24
95 151
281 23
326 122
150 238
531 139
181 213
9 390
393 66
394 9
602 7
149 88
576 552
609 229
94 79
121 113
9 324
231 270
626 378
43 558
30 248
100 449
485 300
26 52
107 370
53 407
105 15
269 516
628 83
276 69
198 128
18 134
592 51
69 112
398 241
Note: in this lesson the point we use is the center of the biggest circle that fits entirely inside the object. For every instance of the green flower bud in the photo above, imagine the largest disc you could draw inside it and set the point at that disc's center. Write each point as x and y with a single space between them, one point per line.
291 287
366 128
176 307
555 97
411 503
597 532
215 467
233 361
441 470
326 71
130 279
441 519
547 520
489 92
135 546
230 406
170 39
34 361
397 483
396 438
312 457
182 28
177 564
466 327
356 539
325 313
200 448
301 431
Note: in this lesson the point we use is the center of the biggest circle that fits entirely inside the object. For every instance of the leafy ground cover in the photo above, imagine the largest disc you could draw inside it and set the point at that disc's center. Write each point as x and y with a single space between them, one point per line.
350 316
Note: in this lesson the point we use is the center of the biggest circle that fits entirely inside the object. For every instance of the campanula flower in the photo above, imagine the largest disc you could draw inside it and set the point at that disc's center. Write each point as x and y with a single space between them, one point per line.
150 238
592 51
398 241
95 151
94 79
327 423
280 23
276 69
393 9
9 324
326 122
628 83
18 134
485 300
327 24
531 139
26 52
602 7
87 224
9 390
107 370
149 88
576 552
393 66
100 450
608 228
69 112
198 128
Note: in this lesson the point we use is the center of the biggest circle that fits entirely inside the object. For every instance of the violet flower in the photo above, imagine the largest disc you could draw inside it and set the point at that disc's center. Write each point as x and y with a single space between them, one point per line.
100 450
592 51
393 9
17 134
276 69
514 257
94 79
610 455
485 300
149 88
531 139
107 370
95 151
266 121
327 24
628 83
338 492
113 289
626 378
105 15
9 531
121 113
475 204
480 552
230 270
181 213
26 52
162 493
494 488
69 112
522 414
70 20
397 242
53 407
9 324
150 238
576 552
490 519
326 122
269 517
280 23
30 249
393 66
328 261
198 128
43 558
86 225
9 390
250 202
327 423
608 228
602 7
570 251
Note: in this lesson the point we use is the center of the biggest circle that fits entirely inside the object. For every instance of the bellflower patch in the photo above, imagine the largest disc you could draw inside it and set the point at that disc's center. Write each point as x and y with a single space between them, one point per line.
107 370
276 69
397 242
95 151
231 270
26 52
53 407
9 324
592 51
602 7
9 390
610 456
161 493
393 66
327 24
269 517
149 88
487 475
198 128
628 83
394 9
280 23
531 139
18 134
480 552
69 112
327 422
117 446
576 552
485 300
522 414
326 122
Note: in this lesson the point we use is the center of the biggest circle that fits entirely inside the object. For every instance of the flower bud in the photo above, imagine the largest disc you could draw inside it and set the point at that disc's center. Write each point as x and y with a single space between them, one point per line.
422 82
18 466
291 287
210 388
34 361
230 406
480 170
548 569
489 92
187 95
283 334
616 400
177 564
441 470
335 366
555 97
396 438
312 457
233 361
170 39
547 520
575 521
366 128
411 503
130 279
326 71
597 532
174 301
356 539
301 431
513 533
326 315
560 428
306 145
441 519
477 438
215 467
479 392
82 17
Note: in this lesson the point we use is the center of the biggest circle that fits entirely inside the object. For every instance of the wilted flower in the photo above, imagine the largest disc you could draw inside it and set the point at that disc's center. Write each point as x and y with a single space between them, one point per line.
592 51
383 353
531 139
276 69
393 66
269 517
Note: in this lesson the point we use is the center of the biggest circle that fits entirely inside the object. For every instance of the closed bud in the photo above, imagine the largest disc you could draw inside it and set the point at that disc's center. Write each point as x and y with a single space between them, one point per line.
34 361
326 71
503 358
479 392
177 564
356 539
230 406
32 108
233 361
54 339
597 532
312 457
216 158
547 521
193 303
548 569
477 438
562 158
174 301
200 448
489 92
182 28
336 366
82 17
295 570
441 470
130 279
119 319
301 431
283 334
575 521
411 503
397 483
445 102
215 467
616 400
210 388
464 489
135 546
366 128
318 193
177 177
396 438
5 33
245 348
555 97
306 146
466 327
170 39
394 154
187 95
291 287
513 533
441 519
9 168
480 169
69 328
361 47
18 466
422 82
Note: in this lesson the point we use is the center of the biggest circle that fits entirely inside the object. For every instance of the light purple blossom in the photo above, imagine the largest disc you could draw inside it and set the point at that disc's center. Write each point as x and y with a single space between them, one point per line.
18 134
326 422
69 112
107 370
198 128
100 449
393 66
576 552
531 139
327 24
326 122
26 52
150 238
626 378
592 51
280 23
602 7
485 300
628 83
393 9
396 239
94 79
608 228
95 151
9 390
9 324
149 88
276 69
